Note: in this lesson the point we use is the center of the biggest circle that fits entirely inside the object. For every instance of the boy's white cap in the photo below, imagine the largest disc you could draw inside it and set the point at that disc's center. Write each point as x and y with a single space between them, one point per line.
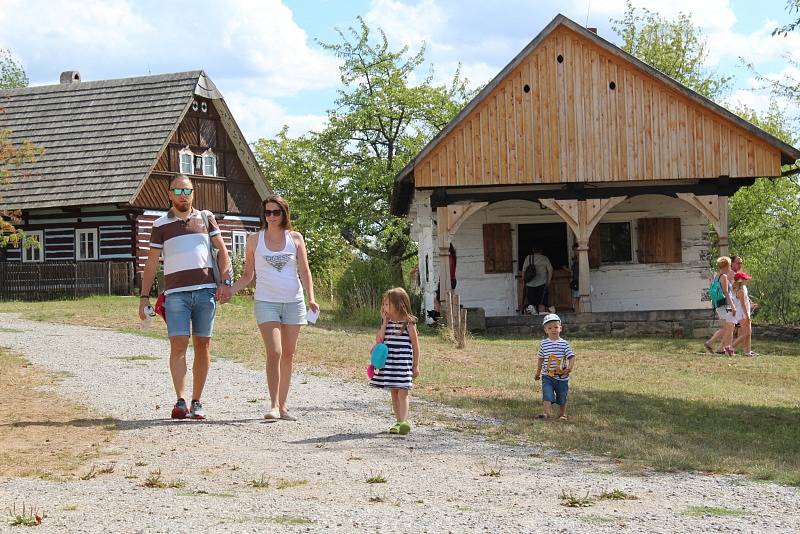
551 317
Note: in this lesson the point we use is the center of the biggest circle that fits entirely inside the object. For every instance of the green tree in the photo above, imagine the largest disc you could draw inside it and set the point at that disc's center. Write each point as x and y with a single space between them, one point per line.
12 155
342 176
792 6
764 228
12 74
675 47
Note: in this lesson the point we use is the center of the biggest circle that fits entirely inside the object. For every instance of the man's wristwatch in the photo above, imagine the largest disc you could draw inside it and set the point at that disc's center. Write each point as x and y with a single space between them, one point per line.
227 282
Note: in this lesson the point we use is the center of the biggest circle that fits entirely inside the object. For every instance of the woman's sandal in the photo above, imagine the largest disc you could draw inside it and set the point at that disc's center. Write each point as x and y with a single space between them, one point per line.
729 351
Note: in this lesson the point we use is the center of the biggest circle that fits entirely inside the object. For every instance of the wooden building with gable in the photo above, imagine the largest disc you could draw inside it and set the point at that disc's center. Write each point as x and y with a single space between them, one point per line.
577 142
111 148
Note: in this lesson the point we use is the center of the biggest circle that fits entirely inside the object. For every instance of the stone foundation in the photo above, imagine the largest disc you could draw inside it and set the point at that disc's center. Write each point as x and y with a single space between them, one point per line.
667 323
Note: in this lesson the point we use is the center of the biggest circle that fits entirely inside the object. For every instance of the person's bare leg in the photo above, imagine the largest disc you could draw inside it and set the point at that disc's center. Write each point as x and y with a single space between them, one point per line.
289 335
177 363
546 408
562 410
715 336
401 412
271 334
202 361
396 403
727 335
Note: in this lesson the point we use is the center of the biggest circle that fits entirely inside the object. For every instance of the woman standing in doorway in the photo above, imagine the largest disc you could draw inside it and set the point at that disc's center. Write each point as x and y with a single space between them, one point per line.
276 255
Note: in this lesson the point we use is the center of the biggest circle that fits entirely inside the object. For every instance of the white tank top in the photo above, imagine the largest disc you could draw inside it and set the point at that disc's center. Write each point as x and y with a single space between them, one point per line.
276 272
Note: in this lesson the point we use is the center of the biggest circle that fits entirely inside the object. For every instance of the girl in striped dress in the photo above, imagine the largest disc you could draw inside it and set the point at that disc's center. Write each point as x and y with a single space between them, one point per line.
399 332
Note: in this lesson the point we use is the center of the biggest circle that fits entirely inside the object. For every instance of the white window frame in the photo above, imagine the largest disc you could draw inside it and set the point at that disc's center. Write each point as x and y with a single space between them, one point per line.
186 152
78 252
234 247
34 254
209 159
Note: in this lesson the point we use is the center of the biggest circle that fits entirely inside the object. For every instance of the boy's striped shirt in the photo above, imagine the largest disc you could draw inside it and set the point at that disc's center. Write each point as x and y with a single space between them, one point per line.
555 355
185 244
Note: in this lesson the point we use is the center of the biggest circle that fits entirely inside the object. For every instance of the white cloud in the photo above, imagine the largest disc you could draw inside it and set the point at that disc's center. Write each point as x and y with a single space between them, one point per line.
408 24
264 117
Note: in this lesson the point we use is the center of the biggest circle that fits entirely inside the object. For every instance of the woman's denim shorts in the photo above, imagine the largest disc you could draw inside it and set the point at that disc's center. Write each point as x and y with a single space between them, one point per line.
280 312
198 308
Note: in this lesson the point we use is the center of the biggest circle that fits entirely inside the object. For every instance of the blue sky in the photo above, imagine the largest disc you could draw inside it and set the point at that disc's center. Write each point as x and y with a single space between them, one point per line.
264 57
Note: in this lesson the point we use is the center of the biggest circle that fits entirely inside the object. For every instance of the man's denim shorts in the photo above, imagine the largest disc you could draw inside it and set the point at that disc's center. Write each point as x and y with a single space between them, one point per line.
198 307
280 312
555 390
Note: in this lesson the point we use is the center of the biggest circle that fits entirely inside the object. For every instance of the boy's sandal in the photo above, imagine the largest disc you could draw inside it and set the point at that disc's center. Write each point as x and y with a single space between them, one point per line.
751 353
562 418
542 416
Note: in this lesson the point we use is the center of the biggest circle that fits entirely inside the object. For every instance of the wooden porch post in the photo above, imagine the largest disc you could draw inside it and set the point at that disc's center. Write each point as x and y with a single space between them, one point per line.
722 226
443 243
582 216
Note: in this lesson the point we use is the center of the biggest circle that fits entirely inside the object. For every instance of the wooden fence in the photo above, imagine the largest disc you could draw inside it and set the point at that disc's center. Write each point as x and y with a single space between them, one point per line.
64 280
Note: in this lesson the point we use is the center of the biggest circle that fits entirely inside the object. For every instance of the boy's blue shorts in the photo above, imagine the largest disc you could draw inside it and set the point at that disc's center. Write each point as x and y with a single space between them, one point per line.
555 390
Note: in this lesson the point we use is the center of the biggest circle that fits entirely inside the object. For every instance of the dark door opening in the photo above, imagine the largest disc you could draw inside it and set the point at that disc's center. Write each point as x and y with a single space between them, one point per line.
552 237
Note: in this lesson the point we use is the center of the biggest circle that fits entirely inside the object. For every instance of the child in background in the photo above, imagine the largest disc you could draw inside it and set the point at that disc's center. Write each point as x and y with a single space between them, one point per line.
743 312
557 361
399 332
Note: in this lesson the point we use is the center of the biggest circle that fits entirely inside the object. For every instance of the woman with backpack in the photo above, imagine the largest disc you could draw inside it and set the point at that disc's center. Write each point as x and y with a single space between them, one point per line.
724 305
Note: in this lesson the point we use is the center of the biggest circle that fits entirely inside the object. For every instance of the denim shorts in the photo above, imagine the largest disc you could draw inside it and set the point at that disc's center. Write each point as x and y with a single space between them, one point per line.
280 312
555 390
198 307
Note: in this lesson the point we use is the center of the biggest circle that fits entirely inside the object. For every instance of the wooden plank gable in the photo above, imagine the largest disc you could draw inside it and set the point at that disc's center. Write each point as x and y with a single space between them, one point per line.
571 111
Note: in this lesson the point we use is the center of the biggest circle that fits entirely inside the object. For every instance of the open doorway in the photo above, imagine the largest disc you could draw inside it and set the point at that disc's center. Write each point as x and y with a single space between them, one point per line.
552 238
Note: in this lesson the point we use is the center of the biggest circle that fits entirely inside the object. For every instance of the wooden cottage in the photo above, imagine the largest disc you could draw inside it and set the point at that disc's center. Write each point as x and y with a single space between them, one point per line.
578 142
111 148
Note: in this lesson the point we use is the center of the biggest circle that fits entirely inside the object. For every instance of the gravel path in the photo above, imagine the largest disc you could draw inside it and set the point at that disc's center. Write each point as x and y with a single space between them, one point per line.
436 480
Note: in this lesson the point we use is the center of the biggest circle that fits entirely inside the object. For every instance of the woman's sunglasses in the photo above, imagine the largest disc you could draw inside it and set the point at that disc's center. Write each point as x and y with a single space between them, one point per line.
273 213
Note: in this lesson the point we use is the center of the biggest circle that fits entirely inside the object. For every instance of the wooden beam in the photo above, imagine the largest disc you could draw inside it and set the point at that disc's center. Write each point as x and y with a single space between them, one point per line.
458 213
443 244
715 209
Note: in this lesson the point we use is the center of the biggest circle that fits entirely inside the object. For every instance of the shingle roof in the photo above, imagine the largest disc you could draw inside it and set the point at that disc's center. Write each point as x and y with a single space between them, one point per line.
100 138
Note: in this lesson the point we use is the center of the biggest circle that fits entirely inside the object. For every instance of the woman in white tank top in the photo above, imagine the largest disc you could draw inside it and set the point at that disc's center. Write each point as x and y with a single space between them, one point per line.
276 256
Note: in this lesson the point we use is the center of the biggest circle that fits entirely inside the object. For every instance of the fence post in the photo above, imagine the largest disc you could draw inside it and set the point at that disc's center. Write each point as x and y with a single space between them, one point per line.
108 277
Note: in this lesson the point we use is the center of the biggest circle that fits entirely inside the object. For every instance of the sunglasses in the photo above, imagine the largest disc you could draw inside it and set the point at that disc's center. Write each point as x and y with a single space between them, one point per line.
273 213
182 191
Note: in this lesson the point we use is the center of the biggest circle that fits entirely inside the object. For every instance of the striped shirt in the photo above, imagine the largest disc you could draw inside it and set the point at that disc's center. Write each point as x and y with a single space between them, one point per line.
555 355
397 372
185 245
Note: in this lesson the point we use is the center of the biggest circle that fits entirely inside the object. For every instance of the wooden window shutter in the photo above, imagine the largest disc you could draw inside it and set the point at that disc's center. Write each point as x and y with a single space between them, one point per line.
659 240
594 248
497 256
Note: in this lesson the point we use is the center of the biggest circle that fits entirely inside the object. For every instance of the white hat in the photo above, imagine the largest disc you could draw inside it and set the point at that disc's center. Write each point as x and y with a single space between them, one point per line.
551 317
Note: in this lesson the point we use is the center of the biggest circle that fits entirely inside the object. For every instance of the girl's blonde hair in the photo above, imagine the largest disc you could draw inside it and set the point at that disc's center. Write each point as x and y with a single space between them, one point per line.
398 298
723 261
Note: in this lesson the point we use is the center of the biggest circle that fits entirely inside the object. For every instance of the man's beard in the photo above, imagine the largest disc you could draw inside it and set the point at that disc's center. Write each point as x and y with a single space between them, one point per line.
183 208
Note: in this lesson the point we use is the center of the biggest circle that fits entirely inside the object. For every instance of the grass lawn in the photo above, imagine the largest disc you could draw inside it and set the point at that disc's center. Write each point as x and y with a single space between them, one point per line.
647 402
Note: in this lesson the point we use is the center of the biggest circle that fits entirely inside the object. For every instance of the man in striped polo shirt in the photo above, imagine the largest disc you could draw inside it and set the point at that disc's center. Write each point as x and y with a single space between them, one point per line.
191 291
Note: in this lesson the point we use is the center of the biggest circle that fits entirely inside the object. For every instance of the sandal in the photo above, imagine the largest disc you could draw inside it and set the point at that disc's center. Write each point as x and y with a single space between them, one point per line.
395 429
542 416
708 347
752 353
729 351
562 418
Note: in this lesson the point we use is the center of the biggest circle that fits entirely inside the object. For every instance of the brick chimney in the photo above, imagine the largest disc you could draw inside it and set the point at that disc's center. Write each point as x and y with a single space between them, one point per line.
70 76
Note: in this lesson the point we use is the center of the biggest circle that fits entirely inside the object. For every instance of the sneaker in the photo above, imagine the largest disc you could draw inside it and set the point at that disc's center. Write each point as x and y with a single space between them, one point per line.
179 411
197 410
395 429
404 428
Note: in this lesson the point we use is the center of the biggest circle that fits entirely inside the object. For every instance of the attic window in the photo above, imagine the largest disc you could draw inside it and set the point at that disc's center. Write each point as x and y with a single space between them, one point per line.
186 161
209 163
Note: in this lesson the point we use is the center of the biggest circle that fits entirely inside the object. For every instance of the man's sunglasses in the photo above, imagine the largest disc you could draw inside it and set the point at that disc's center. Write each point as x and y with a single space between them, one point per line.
182 191
274 213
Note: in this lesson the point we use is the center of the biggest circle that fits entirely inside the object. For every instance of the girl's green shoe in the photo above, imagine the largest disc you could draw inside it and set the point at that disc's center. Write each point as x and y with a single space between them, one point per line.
395 429
403 428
